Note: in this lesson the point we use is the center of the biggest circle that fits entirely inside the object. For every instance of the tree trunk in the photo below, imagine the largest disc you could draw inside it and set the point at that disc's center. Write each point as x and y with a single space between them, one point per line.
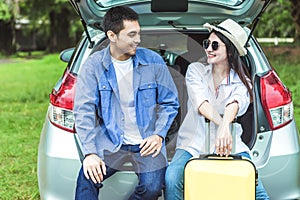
7 38
296 18
60 27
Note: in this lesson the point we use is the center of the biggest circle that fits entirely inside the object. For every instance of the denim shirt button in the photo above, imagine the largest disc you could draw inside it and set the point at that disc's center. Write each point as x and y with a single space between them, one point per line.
103 86
149 86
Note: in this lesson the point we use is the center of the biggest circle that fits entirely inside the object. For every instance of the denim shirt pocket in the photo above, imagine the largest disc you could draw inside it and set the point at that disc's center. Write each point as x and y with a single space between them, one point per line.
147 94
105 91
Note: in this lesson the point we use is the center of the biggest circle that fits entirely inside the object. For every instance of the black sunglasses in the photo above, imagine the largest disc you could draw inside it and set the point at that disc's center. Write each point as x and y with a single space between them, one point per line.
214 44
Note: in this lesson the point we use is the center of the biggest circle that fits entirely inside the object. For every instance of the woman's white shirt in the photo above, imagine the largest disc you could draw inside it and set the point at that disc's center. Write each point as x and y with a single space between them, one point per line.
200 87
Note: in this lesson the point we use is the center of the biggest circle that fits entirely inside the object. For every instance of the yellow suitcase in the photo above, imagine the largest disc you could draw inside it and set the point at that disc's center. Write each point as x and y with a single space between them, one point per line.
215 178
211 177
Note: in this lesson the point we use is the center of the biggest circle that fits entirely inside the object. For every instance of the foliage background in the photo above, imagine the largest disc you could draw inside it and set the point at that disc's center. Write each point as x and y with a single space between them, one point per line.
56 26
276 21
25 85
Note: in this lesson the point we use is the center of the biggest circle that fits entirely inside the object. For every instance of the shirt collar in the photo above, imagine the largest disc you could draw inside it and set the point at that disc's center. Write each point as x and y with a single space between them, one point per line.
233 77
137 59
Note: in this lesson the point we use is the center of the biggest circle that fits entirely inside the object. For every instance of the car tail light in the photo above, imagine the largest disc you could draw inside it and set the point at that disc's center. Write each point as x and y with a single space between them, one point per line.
276 100
62 101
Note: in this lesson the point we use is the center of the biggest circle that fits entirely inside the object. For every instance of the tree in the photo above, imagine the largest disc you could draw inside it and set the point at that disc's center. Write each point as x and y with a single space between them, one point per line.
54 19
295 14
60 17
276 21
54 23
7 22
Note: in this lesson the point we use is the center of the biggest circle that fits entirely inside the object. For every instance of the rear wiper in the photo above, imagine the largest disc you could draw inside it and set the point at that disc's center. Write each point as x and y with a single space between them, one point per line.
174 26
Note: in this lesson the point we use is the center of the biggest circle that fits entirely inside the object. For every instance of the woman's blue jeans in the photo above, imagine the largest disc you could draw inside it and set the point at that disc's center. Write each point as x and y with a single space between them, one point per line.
174 177
150 171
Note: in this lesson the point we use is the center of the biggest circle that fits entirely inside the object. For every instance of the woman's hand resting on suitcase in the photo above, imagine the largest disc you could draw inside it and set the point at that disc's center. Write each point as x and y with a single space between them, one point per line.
223 143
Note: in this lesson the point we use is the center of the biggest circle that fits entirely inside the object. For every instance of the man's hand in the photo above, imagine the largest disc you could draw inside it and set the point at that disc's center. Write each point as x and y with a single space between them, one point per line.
94 168
151 145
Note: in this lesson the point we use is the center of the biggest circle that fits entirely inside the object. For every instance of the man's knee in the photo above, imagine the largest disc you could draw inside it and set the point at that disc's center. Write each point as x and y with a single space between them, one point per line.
149 190
85 188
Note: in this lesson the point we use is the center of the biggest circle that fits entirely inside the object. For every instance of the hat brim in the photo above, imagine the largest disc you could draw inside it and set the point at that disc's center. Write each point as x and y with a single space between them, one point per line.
242 50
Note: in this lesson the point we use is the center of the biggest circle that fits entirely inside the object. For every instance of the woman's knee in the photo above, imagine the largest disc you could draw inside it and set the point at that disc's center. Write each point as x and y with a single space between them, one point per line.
174 175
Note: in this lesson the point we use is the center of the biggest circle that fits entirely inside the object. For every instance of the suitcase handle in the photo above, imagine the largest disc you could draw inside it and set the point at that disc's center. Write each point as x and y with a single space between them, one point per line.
237 157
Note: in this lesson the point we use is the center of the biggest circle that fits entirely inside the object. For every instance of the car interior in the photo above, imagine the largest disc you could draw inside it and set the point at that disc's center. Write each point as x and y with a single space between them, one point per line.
179 49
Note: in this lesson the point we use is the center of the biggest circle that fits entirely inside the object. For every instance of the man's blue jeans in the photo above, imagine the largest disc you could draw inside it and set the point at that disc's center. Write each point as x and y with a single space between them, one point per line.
150 171
174 177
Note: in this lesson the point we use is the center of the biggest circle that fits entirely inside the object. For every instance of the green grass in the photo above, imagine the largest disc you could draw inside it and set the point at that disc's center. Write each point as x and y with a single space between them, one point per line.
25 85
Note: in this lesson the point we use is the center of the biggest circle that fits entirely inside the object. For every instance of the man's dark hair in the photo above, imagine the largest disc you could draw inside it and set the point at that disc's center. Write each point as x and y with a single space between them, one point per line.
114 17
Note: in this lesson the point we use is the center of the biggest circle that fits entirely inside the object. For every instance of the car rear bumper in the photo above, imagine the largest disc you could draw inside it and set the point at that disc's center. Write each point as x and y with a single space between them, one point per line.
278 164
281 177
277 157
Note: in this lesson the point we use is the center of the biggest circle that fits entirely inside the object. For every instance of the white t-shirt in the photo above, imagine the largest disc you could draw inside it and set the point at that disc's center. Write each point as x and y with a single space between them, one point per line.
124 73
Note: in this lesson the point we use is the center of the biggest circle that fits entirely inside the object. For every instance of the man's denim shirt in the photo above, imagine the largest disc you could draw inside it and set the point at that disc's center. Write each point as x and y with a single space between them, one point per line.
99 120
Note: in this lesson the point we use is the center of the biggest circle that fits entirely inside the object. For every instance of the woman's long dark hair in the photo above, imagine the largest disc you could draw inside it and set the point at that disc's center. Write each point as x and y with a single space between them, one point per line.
236 63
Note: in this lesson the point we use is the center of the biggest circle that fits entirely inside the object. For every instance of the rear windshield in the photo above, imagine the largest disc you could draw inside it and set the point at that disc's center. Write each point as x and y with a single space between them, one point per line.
169 44
227 2
109 3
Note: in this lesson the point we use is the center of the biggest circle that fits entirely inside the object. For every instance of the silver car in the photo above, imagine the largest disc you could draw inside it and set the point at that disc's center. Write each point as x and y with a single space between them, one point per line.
173 28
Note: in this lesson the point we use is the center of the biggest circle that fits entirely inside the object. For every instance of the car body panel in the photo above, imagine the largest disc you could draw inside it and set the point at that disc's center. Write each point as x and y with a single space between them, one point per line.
285 141
281 176
275 153
56 163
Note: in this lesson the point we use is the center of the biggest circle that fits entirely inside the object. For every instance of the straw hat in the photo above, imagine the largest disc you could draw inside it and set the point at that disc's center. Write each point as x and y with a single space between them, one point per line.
233 31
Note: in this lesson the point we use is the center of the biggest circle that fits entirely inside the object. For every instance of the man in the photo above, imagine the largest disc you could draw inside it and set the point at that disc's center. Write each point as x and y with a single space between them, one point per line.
125 103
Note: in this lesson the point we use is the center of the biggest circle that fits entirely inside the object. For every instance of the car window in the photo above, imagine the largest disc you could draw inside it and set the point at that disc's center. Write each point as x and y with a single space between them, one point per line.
108 3
82 53
228 2
169 44
174 42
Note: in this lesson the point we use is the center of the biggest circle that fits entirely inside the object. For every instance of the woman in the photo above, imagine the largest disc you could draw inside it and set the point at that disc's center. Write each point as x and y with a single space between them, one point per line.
219 91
